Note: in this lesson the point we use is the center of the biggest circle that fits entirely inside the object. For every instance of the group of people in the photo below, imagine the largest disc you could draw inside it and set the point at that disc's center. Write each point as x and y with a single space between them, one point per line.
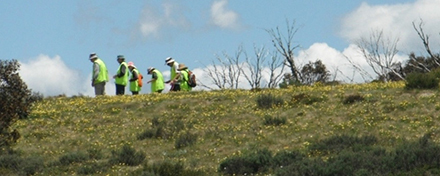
128 74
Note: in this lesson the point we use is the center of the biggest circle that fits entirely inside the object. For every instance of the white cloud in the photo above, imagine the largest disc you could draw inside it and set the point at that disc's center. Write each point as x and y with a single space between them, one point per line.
152 21
396 20
222 17
51 76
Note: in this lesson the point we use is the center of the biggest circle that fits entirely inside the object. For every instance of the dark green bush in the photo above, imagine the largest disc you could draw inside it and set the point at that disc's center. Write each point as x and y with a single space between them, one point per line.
169 168
350 99
275 121
306 99
127 155
23 166
15 102
73 157
258 161
12 162
91 168
94 153
342 142
421 81
285 158
267 101
184 140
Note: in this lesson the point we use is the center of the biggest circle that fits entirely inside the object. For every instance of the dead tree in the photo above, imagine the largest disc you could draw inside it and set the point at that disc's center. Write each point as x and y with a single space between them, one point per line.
275 63
285 46
379 52
425 40
254 67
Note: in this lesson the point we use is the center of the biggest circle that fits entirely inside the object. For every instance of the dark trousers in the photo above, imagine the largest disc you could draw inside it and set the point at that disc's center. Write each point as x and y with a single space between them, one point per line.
120 89
175 87
135 93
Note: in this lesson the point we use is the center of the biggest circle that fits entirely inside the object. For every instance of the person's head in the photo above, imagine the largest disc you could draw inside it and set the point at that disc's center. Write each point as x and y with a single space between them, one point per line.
131 65
170 62
93 57
150 70
182 67
120 58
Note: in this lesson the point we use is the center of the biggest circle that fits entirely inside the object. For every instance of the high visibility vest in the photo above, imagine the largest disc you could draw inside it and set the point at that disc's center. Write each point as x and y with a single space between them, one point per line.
134 86
173 70
158 84
183 81
123 79
103 73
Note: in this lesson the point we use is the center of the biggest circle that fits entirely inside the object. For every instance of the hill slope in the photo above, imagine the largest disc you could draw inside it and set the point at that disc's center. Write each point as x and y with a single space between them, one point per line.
201 129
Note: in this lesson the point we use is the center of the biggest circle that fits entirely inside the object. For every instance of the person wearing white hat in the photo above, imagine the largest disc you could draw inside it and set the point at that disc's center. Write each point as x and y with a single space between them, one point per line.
157 84
99 74
135 85
175 85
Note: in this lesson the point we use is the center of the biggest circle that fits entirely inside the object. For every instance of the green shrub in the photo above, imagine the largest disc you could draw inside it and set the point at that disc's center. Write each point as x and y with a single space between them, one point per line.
12 162
127 155
421 81
32 165
350 99
184 140
342 142
168 168
24 166
94 153
73 157
15 102
306 99
91 168
275 121
267 101
258 161
285 158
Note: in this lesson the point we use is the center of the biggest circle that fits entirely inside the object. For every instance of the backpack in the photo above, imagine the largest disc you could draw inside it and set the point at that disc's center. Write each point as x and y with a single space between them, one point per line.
191 79
140 77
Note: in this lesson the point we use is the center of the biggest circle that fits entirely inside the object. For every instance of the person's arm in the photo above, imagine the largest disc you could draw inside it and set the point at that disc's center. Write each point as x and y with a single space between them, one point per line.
95 71
122 71
135 76
153 77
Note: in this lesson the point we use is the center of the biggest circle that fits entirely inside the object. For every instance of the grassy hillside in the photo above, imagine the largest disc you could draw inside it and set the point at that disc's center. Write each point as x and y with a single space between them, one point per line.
202 129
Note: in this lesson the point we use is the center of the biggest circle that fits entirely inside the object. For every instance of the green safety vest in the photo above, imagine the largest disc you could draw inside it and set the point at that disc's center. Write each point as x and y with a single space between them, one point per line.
158 84
124 79
183 81
134 86
103 73
173 70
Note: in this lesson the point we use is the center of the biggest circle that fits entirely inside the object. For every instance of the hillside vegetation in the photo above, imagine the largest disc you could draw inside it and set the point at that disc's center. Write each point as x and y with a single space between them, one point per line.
201 130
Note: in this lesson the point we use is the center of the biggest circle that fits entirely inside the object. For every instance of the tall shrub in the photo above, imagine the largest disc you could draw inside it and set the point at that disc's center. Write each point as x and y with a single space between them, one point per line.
15 101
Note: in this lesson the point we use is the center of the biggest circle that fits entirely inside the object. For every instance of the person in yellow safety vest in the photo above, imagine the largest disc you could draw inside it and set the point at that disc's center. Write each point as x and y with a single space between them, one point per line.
134 79
182 77
99 74
175 86
157 84
121 77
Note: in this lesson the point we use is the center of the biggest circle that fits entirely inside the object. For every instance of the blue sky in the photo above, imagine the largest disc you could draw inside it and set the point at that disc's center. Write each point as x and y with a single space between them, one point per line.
52 39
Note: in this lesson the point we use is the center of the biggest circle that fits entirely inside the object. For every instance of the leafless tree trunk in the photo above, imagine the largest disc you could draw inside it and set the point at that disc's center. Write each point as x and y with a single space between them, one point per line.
225 71
234 68
274 77
284 45
255 67
357 68
379 53
425 39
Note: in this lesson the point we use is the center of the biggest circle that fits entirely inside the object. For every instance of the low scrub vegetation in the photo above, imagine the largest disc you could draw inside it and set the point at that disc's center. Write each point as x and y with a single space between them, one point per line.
364 129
